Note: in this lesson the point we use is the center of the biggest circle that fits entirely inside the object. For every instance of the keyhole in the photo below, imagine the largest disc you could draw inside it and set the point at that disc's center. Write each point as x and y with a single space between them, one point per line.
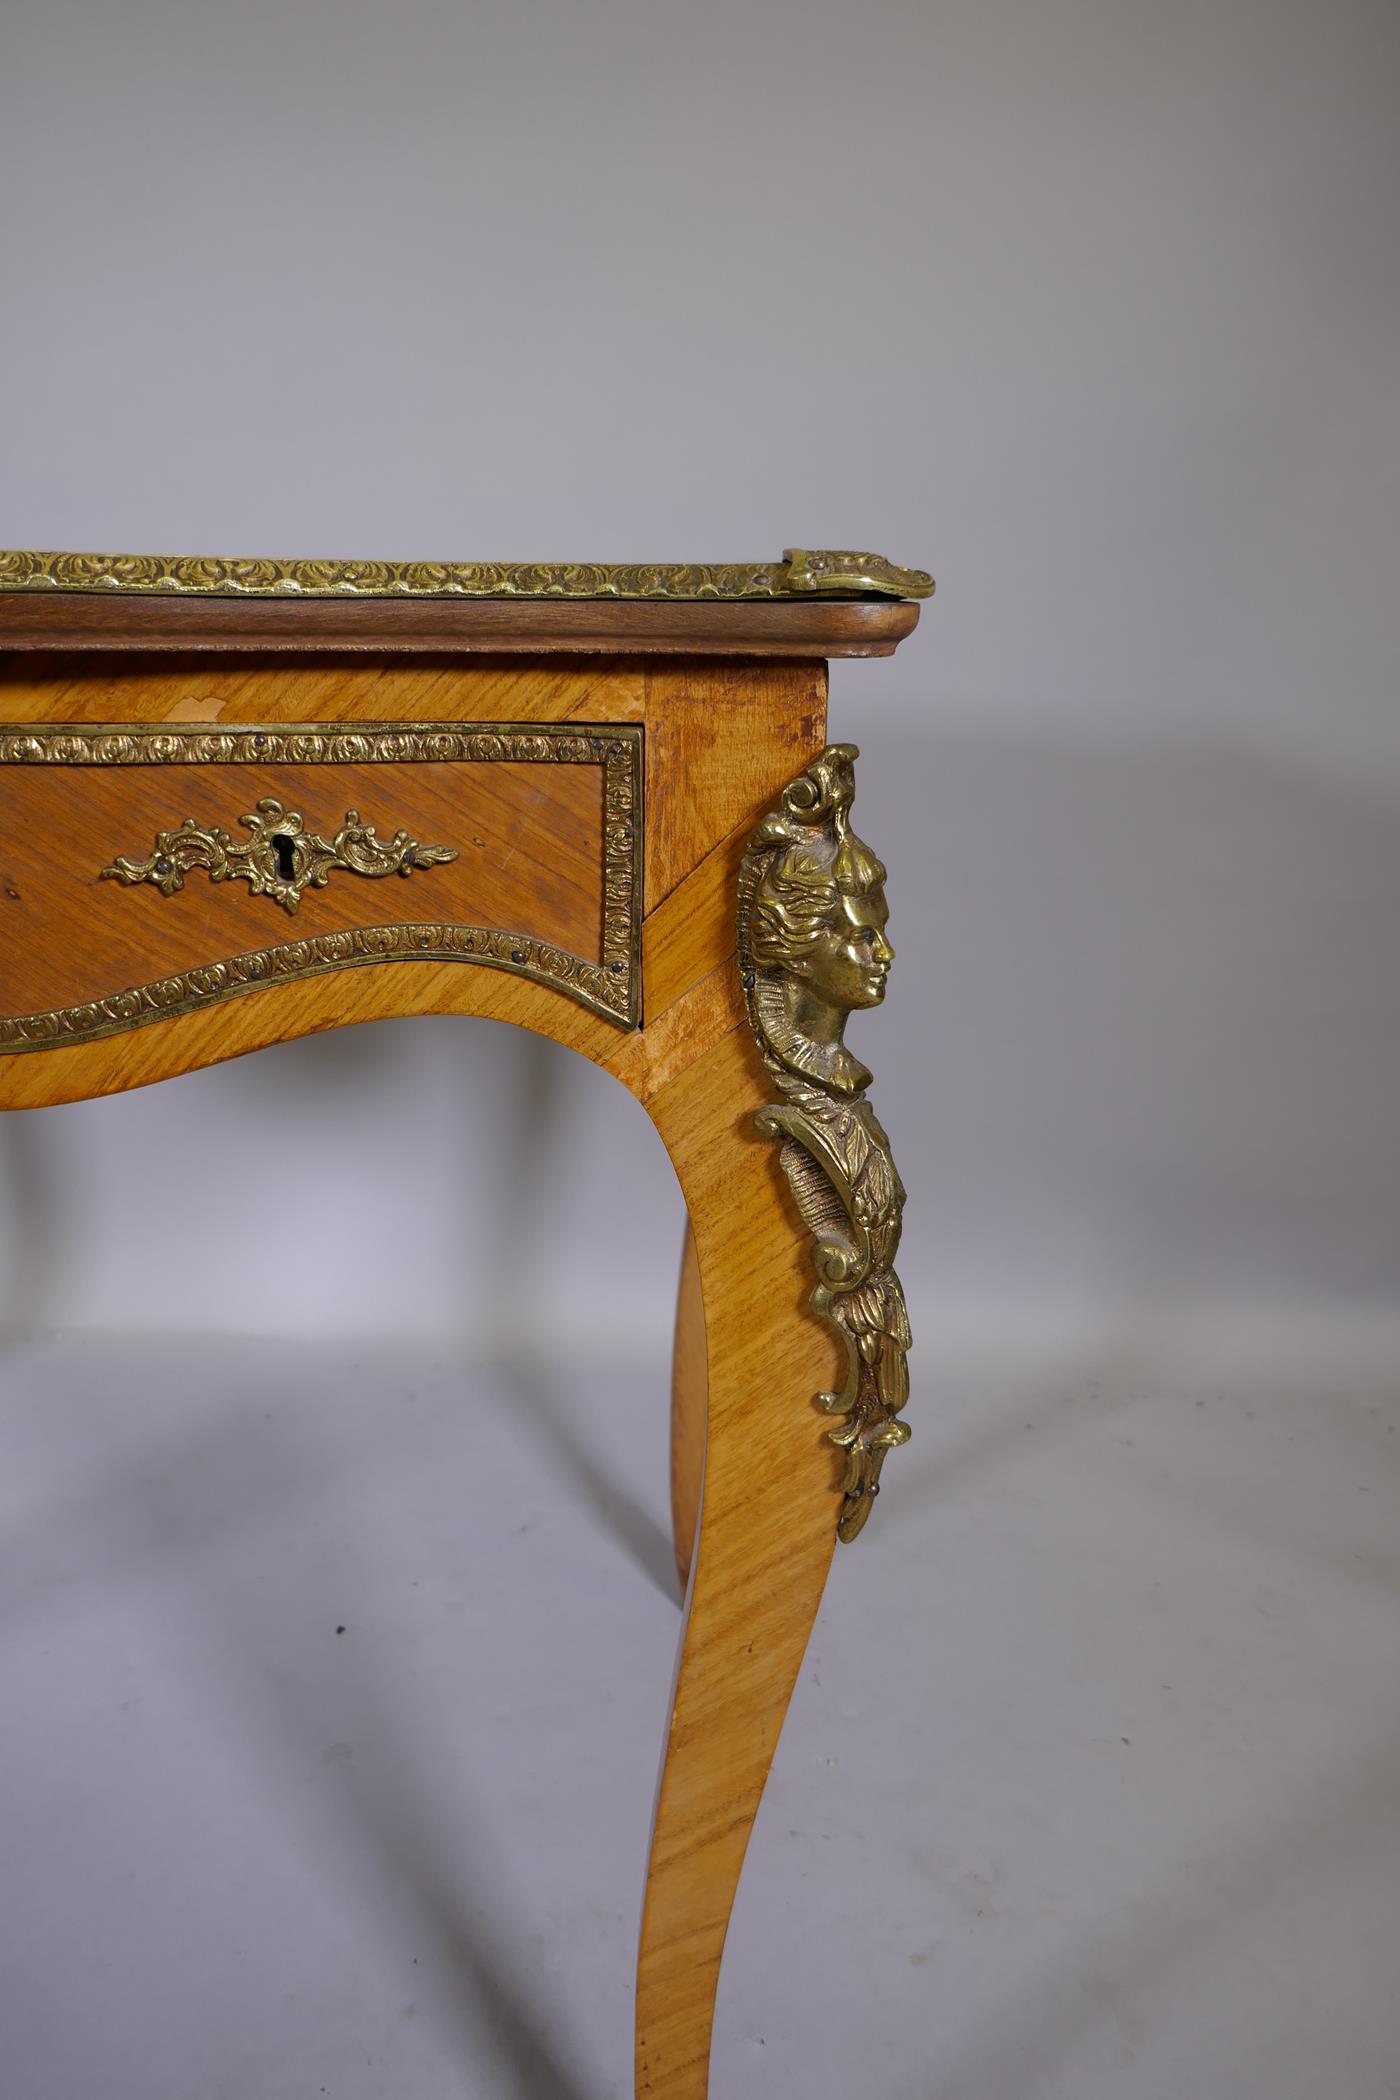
285 850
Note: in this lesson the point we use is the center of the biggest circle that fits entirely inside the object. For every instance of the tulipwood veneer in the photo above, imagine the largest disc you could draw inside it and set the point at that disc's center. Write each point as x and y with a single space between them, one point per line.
587 891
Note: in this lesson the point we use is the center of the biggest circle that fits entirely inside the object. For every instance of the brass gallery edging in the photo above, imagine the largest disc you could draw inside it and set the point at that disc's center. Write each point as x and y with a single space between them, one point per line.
611 987
802 573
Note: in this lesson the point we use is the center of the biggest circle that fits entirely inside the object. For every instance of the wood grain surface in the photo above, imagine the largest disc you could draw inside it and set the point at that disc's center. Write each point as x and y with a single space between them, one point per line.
528 840
112 620
56 686
719 735
766 1534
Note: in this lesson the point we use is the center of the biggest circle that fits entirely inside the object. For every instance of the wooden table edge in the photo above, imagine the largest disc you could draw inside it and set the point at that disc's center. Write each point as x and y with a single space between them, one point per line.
110 620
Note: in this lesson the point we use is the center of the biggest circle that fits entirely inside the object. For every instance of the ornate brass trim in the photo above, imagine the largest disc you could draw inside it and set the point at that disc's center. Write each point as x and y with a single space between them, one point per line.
291 743
610 987
799 574
281 860
812 948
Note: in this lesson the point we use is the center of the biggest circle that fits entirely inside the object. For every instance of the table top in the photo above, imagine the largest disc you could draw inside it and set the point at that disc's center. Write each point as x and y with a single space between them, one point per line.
811 604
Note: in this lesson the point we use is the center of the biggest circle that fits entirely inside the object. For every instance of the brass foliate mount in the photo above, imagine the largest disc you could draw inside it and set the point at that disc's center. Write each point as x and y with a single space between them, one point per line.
813 949
800 574
282 859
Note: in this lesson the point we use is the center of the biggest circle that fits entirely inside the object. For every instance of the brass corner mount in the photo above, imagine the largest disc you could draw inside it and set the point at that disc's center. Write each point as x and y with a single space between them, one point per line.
812 949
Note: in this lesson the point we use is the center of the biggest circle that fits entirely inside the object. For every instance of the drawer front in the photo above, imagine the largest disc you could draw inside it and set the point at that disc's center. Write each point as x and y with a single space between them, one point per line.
149 870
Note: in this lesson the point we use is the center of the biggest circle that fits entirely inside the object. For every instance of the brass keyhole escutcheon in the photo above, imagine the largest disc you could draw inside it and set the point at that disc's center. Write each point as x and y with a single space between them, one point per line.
281 860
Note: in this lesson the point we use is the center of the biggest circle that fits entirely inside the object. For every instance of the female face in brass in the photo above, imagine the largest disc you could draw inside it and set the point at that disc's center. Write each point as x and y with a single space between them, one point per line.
819 921
848 965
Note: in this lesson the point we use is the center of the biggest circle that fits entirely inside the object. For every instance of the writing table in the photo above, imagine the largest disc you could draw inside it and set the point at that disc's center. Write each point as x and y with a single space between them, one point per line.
242 801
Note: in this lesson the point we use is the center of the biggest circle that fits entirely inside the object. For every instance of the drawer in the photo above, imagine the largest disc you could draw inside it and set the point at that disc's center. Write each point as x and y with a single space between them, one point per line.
149 870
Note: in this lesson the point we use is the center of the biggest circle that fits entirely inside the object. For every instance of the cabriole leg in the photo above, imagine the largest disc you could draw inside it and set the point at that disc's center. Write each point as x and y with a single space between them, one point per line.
766 1533
751 1345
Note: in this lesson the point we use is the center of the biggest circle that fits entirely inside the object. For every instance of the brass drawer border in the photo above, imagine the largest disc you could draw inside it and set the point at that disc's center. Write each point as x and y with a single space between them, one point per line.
611 988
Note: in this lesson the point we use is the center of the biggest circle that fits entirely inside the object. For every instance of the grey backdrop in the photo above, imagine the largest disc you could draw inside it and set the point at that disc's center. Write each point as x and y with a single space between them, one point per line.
1090 308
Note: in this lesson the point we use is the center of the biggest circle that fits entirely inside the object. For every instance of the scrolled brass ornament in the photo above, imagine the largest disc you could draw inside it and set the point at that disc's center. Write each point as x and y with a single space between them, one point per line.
813 949
282 859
